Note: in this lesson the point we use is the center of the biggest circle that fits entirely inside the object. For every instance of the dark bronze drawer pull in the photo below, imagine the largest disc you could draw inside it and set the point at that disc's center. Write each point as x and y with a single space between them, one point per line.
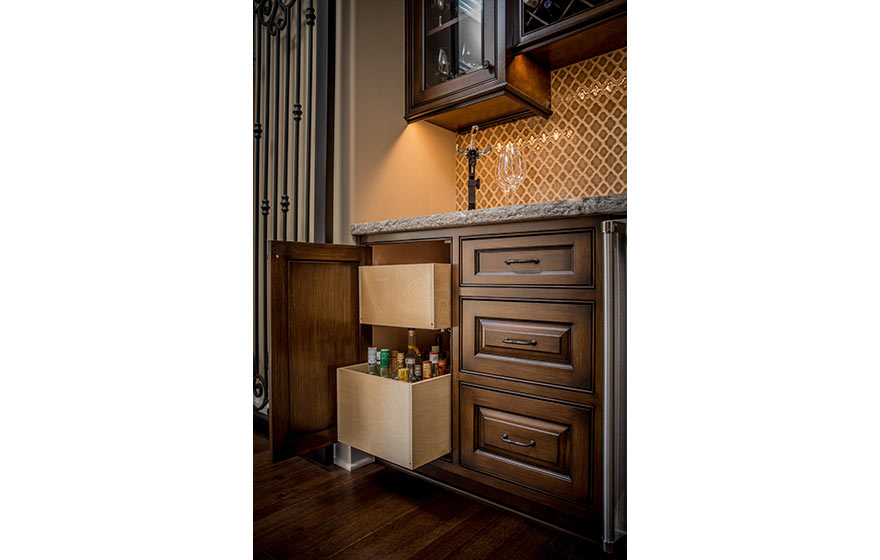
505 439
521 342
516 261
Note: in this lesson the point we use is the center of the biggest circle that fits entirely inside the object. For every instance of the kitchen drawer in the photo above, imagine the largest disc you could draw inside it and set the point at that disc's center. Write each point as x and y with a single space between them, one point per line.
552 259
409 424
414 296
533 341
543 445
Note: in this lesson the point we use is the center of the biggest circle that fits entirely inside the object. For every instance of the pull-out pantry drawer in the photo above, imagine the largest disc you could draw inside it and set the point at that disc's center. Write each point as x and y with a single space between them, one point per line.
553 259
414 296
539 444
409 424
533 341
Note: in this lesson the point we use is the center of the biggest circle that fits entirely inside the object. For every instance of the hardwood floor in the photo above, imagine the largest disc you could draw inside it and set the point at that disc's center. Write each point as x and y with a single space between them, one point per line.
305 510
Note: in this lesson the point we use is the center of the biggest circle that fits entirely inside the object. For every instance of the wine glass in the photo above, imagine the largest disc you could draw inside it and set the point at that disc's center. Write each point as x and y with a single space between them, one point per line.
440 5
466 58
442 64
500 164
510 169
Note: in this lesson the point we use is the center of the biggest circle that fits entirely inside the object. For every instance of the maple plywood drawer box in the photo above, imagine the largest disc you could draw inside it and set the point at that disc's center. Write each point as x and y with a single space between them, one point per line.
417 296
409 424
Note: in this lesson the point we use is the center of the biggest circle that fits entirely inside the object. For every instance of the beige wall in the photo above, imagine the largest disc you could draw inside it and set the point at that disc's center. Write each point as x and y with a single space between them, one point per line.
386 169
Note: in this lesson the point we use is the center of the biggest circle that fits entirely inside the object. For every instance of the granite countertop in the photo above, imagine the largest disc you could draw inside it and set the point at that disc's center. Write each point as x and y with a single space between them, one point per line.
572 207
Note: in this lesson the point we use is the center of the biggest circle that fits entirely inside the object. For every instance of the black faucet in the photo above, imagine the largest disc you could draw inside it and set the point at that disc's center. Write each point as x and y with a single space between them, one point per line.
473 154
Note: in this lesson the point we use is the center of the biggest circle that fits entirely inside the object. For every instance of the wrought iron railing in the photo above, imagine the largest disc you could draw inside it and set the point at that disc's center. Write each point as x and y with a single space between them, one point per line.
289 36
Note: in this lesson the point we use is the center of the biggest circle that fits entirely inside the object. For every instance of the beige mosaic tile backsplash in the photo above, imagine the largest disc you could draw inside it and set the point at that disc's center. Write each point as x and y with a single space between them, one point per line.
579 151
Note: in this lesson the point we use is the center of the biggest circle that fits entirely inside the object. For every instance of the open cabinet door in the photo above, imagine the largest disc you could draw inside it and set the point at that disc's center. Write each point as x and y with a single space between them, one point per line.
313 329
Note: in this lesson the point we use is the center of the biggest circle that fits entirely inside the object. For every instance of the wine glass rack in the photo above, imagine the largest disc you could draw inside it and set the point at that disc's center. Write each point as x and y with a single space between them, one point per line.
550 12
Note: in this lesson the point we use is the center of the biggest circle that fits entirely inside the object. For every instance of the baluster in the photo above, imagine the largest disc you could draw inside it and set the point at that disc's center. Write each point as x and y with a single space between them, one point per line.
285 200
324 116
310 21
259 389
265 209
297 117
277 32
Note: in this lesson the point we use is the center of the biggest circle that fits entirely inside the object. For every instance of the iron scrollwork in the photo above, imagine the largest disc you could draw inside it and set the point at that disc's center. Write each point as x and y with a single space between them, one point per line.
274 14
260 390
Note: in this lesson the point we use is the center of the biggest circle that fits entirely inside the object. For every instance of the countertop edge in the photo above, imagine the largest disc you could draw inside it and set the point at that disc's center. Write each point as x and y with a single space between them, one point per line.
572 207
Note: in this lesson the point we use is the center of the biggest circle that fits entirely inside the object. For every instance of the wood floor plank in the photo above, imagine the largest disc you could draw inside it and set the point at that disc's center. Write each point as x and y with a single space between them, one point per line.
261 451
334 520
294 521
297 481
410 531
538 542
304 510
489 538
261 444
561 546
461 537
531 542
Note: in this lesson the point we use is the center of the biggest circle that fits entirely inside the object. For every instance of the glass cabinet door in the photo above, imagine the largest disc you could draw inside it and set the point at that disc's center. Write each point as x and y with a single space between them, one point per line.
453 39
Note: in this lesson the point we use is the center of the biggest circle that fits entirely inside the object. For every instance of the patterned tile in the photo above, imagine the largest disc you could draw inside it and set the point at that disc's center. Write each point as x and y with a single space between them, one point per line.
579 151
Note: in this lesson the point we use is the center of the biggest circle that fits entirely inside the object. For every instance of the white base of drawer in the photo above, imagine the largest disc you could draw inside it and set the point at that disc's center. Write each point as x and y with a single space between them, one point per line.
349 458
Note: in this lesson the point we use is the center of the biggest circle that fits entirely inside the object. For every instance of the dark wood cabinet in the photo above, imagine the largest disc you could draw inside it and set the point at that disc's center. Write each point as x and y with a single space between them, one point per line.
460 70
522 409
313 325
488 61
563 32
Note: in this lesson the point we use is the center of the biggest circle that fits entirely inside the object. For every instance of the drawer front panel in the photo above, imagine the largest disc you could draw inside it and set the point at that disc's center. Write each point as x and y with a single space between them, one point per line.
542 445
529 440
533 341
559 259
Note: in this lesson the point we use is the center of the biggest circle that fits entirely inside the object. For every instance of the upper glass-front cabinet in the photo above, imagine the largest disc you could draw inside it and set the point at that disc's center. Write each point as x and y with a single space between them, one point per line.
459 70
488 61
453 47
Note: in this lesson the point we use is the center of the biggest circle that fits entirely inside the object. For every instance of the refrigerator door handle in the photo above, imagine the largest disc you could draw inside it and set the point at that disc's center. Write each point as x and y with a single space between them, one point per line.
614 382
